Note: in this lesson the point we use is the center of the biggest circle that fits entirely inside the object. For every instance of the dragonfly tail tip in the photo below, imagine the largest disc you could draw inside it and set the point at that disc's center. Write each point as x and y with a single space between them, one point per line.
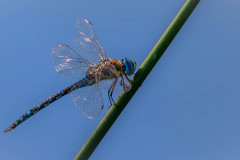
7 130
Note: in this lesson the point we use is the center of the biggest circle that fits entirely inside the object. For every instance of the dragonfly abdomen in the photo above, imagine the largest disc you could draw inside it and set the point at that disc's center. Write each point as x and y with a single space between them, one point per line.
81 83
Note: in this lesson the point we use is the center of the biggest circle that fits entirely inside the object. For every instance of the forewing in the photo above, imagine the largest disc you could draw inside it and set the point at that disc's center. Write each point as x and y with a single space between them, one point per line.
68 63
86 42
88 100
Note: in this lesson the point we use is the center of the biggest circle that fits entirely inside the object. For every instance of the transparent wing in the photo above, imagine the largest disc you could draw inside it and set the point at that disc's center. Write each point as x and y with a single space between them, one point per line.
86 42
68 63
88 100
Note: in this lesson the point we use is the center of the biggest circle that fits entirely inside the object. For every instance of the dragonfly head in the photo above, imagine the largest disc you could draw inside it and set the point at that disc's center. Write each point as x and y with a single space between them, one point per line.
129 66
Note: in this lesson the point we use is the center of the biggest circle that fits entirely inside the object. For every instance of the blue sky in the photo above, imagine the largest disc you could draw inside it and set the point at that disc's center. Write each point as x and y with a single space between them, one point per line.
188 107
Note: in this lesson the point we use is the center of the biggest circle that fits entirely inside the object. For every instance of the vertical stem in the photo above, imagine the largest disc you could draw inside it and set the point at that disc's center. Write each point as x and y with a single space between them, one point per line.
138 79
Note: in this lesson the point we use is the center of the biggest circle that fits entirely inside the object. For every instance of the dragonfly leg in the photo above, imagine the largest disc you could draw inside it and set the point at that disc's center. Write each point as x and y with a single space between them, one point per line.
114 84
109 98
110 91
127 78
122 83
125 84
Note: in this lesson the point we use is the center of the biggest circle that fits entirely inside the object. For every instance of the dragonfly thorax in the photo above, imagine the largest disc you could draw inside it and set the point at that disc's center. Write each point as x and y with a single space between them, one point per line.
116 64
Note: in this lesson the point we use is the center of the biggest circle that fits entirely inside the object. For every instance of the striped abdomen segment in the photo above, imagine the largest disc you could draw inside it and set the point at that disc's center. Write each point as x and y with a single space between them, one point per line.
82 83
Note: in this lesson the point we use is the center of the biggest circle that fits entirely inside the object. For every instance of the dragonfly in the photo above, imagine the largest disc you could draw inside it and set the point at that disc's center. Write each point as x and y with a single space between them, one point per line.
90 75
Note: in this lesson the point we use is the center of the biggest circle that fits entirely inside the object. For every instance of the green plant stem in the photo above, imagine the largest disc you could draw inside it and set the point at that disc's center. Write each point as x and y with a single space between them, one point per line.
137 80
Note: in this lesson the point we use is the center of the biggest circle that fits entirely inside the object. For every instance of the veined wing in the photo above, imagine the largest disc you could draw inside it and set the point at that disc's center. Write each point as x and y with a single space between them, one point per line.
86 42
88 100
68 63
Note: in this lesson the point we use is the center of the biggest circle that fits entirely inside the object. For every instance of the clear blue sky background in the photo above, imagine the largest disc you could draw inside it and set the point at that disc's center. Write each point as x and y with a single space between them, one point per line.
188 108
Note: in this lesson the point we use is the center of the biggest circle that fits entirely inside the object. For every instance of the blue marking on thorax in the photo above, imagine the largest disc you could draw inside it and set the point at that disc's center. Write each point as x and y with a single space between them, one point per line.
16 123
38 106
50 99
62 92
21 119
29 113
